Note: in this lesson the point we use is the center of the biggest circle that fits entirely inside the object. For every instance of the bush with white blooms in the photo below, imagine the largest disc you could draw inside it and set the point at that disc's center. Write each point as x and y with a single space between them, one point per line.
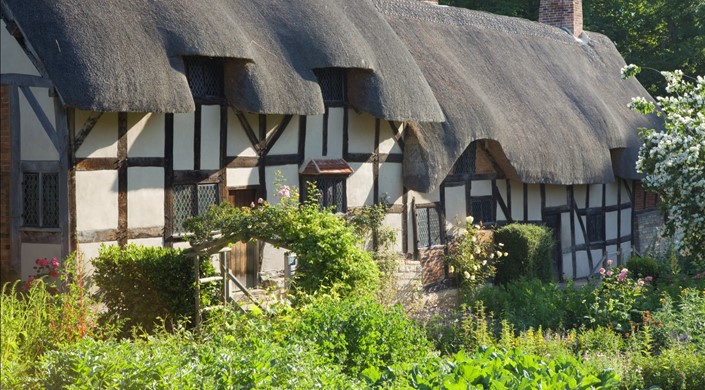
673 160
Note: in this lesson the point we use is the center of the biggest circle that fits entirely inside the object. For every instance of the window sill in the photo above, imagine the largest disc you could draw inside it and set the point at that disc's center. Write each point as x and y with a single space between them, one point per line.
40 229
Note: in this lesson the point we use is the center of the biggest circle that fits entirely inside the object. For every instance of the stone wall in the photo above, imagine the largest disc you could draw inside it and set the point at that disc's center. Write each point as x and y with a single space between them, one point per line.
646 230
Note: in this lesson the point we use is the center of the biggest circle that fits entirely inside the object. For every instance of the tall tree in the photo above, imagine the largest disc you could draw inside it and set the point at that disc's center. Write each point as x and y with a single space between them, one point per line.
659 34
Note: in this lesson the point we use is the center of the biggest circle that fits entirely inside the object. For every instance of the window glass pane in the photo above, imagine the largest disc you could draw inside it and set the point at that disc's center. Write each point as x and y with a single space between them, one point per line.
183 205
207 196
205 76
332 83
596 226
332 191
30 199
466 163
481 210
428 227
50 199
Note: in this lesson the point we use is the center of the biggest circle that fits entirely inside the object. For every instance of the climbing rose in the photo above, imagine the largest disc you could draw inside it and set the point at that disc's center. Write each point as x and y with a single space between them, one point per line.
284 192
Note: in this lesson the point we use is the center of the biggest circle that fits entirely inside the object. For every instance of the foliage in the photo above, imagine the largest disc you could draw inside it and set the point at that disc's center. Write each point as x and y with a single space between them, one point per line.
673 159
357 334
674 368
530 303
496 369
527 9
642 266
529 250
146 285
618 300
328 256
471 258
683 322
44 314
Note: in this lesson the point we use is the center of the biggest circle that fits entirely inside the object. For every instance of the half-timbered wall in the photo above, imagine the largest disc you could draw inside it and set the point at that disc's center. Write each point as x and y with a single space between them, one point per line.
34 175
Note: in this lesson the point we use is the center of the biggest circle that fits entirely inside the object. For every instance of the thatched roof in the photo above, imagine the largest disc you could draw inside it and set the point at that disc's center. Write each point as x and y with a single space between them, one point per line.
126 55
556 106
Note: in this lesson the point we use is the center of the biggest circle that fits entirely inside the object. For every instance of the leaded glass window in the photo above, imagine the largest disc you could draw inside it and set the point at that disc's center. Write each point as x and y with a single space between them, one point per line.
40 199
428 224
205 77
596 226
465 164
332 192
191 200
332 83
482 209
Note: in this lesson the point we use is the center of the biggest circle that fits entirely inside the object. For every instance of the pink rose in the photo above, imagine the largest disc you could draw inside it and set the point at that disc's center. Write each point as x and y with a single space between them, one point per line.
609 262
53 273
54 263
284 192
602 271
609 273
260 200
648 278
42 262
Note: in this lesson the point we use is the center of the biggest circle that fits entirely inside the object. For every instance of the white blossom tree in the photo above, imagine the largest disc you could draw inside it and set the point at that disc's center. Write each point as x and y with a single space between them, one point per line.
673 160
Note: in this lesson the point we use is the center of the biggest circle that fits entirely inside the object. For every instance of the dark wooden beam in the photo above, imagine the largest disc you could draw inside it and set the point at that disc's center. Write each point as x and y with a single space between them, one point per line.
168 177
324 141
86 130
122 179
197 138
302 138
272 140
202 176
375 167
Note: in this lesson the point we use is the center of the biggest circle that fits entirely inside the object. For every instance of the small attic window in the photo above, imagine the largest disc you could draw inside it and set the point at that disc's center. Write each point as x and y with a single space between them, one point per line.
205 78
332 83
465 165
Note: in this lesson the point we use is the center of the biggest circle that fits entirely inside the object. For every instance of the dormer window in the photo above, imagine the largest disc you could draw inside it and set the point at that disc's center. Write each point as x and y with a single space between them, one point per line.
332 82
205 78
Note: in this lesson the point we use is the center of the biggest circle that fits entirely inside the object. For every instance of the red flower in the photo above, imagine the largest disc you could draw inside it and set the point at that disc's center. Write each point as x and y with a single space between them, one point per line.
53 273
54 263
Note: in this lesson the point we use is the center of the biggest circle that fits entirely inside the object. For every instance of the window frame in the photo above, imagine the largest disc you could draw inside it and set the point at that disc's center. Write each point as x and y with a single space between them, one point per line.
441 229
40 202
194 204
337 179
486 202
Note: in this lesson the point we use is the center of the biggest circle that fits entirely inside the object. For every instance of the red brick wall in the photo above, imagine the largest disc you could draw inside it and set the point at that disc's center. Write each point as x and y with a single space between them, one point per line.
644 200
5 150
563 13
432 265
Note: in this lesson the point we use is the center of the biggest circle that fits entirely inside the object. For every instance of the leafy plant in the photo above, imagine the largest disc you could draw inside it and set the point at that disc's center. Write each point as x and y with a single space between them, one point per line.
529 250
618 300
472 258
146 285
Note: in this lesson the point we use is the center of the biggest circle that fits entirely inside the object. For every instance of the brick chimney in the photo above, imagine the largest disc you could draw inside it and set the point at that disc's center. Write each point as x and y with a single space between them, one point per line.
566 14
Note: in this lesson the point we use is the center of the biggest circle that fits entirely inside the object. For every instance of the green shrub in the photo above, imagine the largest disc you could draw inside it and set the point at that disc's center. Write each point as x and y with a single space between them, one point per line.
142 285
357 334
682 322
674 368
529 249
643 267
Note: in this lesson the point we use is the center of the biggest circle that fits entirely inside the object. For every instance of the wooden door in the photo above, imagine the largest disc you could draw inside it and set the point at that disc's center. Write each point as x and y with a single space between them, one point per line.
553 221
244 257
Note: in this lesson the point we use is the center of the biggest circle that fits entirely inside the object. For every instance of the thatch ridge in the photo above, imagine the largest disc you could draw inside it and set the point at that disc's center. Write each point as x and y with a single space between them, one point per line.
556 105
126 55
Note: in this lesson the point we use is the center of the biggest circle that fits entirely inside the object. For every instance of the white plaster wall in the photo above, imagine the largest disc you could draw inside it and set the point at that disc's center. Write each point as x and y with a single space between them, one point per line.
424 197
12 57
288 143
517 200
183 141
359 185
145 135
35 143
156 241
290 174
481 188
611 225
611 193
335 132
502 190
272 258
556 196
582 264
96 200
314 137
567 265
272 121
579 237
534 201
145 197
210 137
393 221
626 222
595 195
565 231
361 132
455 204
579 192
90 251
181 245
387 143
238 142
390 182
32 252
241 177
102 140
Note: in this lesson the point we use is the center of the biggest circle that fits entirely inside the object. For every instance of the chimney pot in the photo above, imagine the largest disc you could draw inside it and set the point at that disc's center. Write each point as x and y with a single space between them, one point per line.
563 14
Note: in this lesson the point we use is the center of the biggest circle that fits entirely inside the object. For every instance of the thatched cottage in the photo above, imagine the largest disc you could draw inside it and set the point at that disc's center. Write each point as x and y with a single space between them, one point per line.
122 118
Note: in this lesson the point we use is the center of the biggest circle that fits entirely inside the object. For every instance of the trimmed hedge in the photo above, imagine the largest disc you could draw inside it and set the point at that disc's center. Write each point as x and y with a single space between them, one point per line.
529 250
141 285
